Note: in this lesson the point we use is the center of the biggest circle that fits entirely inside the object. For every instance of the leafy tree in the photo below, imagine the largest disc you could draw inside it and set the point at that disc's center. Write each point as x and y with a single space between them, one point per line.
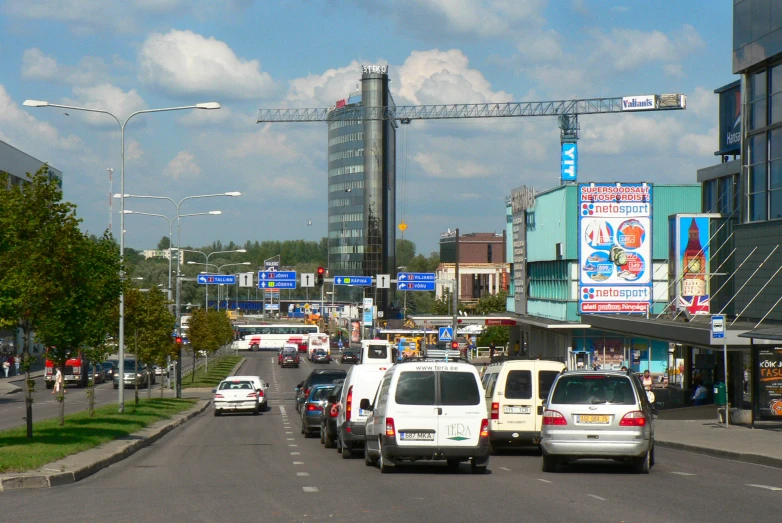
36 233
498 334
164 243
492 303
208 331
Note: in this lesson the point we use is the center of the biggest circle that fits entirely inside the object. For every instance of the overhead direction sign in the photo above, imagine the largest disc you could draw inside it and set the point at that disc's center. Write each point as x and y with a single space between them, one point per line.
362 281
415 286
415 276
383 281
212 279
445 333
246 279
308 279
276 275
277 284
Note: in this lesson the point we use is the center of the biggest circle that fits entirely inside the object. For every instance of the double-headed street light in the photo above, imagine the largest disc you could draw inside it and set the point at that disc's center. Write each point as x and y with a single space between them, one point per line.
206 256
122 125
219 269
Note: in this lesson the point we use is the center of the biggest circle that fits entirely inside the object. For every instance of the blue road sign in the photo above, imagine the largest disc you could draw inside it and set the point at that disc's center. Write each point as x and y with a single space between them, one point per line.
415 286
217 279
276 275
415 276
718 326
445 333
277 284
362 281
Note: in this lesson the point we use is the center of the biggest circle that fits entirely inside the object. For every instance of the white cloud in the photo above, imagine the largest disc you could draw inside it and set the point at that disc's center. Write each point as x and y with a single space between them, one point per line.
703 103
318 90
187 63
539 46
183 163
699 144
38 66
106 97
629 49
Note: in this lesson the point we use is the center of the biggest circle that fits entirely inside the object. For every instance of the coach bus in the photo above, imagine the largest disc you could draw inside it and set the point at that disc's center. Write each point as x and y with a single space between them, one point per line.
270 337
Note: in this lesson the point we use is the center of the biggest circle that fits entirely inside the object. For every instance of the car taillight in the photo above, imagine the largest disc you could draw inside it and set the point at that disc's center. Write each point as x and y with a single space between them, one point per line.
252 395
390 429
218 396
495 411
306 392
485 428
349 404
260 394
552 417
312 407
633 419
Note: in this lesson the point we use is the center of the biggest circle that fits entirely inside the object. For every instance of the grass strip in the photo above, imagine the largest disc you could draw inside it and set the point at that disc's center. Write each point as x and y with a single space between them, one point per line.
218 371
51 442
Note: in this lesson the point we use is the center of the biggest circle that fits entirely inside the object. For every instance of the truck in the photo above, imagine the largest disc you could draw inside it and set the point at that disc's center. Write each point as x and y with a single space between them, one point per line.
317 341
76 372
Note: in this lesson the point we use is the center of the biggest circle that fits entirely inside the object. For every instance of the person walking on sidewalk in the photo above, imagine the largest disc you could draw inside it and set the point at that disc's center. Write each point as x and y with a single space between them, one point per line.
492 348
647 380
6 365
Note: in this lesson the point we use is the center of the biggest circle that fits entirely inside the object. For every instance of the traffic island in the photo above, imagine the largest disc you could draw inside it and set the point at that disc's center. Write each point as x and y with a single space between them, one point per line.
63 455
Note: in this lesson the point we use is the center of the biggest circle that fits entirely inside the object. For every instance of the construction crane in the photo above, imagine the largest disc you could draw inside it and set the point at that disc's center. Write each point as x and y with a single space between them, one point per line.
567 112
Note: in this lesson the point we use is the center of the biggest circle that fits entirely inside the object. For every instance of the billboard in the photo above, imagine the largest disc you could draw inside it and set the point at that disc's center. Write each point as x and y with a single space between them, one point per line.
769 394
642 102
690 256
615 248
569 161
730 118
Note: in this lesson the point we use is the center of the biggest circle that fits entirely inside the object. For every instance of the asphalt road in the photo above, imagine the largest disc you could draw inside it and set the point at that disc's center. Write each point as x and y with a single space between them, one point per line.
248 468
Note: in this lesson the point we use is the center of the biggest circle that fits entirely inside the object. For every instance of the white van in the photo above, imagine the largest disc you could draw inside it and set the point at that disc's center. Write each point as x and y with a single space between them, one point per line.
317 341
428 410
515 391
361 382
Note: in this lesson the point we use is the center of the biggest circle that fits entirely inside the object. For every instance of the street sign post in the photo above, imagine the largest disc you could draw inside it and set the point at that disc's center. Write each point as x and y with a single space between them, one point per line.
383 281
718 332
276 280
359 281
445 333
212 279
246 279
718 327
308 279
415 285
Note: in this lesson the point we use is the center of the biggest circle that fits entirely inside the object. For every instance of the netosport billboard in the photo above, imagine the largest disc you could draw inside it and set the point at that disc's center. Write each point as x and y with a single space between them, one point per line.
615 248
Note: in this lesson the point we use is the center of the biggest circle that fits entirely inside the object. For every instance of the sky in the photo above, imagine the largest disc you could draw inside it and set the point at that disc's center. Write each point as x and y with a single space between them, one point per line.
131 55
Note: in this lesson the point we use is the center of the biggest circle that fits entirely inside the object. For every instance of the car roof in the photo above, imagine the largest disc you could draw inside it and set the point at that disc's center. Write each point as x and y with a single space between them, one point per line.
250 378
328 371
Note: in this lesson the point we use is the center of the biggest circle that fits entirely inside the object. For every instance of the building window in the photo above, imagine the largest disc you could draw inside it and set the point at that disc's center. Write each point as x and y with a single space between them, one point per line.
758 177
710 196
775 173
757 101
775 100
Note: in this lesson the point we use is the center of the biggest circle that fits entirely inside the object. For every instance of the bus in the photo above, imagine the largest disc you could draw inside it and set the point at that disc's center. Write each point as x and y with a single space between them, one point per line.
269 337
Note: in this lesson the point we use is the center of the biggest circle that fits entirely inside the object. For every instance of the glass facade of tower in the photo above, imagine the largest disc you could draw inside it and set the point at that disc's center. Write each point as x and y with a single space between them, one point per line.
362 192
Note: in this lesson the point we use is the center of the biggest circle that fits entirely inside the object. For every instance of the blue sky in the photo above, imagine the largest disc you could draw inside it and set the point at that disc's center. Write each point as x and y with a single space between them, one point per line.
142 54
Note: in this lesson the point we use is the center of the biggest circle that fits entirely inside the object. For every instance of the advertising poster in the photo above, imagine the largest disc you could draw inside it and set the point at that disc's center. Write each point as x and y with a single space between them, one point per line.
730 118
615 248
691 258
769 400
355 331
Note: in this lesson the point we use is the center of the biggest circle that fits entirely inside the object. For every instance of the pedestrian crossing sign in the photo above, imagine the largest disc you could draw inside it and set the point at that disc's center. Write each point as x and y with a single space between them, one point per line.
445 334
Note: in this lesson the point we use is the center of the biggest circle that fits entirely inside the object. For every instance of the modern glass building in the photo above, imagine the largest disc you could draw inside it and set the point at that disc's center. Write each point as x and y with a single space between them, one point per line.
362 189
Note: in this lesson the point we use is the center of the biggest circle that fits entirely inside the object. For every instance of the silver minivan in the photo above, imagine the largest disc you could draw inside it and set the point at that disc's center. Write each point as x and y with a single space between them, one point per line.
598 414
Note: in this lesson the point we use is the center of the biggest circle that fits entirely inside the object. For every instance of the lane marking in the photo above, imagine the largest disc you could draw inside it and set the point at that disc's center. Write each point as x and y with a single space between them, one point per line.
289 433
295 453
684 473
302 474
597 497
544 480
282 410
503 468
289 439
295 463
767 487
310 489
292 445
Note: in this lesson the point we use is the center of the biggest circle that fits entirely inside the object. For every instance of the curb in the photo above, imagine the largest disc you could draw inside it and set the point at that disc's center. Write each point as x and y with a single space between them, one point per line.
84 464
755 459
237 367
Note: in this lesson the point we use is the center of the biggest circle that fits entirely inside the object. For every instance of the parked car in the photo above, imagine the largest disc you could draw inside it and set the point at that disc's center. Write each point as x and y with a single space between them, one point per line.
348 357
598 414
97 373
260 387
425 410
321 356
317 377
132 373
233 395
328 418
312 408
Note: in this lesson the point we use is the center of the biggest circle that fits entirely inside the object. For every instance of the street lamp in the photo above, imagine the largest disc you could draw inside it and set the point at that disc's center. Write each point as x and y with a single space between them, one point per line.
122 125
206 297
220 268
178 275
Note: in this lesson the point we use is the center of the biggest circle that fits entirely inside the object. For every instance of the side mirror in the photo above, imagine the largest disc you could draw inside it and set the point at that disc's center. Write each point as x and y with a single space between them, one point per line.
365 405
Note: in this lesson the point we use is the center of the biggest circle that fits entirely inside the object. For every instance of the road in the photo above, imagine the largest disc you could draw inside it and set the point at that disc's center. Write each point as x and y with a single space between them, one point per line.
248 468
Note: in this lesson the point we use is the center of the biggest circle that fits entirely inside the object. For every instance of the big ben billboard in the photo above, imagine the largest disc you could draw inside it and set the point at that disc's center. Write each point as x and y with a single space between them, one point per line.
689 262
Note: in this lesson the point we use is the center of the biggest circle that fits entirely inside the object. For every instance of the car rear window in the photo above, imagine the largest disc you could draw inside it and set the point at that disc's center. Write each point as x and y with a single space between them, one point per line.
459 388
415 388
377 352
236 385
518 385
321 393
593 390
545 381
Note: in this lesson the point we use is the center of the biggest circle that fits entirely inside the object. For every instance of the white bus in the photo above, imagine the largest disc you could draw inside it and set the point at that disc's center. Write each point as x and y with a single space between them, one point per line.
271 337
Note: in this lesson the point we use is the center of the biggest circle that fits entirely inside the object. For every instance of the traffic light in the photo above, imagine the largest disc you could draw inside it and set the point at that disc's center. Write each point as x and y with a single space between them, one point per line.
319 277
179 340
455 345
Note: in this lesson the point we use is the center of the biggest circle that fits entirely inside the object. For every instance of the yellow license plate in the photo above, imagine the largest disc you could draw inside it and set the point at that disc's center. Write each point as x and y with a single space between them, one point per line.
594 419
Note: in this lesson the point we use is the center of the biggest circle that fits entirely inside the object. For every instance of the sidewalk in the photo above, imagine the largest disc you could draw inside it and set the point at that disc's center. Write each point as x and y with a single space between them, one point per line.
13 384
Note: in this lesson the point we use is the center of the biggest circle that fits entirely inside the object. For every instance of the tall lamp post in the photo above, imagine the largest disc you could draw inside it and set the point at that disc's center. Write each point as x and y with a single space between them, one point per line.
122 125
179 264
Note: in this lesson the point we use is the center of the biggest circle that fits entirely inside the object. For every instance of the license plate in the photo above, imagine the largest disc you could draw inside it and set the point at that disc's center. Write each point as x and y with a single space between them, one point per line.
362 412
417 436
595 420
517 410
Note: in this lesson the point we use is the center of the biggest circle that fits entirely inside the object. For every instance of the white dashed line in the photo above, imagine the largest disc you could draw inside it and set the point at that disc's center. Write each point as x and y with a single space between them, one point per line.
282 410
289 439
295 463
544 480
302 474
310 489
295 453
292 445
684 473
767 487
597 497
503 468
289 433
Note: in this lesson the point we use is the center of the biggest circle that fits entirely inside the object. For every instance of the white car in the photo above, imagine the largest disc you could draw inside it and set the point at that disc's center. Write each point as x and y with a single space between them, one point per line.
260 388
234 395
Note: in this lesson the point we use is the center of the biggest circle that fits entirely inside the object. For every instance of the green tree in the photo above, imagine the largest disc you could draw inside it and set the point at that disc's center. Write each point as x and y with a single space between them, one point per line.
208 331
498 334
492 303
36 228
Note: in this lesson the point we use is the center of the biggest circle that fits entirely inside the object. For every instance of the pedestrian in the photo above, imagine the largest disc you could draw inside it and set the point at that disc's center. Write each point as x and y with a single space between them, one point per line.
57 381
746 381
699 396
624 368
17 363
646 381
6 365
492 348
